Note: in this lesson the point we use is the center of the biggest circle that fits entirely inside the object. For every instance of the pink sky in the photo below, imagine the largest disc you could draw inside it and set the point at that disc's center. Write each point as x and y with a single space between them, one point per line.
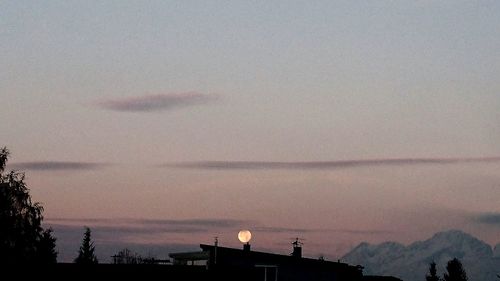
337 121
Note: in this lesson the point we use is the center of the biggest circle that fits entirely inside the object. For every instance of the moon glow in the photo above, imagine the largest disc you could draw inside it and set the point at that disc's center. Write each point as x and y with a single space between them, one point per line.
244 236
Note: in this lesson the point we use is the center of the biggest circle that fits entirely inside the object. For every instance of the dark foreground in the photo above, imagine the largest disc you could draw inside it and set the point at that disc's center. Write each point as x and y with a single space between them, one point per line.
70 271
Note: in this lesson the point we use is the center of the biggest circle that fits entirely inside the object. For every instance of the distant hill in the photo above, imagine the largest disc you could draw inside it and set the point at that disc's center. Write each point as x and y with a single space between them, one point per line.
411 263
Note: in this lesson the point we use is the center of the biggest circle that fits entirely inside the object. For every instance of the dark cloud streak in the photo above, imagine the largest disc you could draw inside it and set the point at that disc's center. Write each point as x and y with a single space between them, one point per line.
56 166
151 222
114 234
159 102
271 229
127 225
109 241
361 232
119 230
325 165
489 218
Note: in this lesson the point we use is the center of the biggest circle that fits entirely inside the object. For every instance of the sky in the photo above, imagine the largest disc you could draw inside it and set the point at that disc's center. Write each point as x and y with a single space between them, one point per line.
163 124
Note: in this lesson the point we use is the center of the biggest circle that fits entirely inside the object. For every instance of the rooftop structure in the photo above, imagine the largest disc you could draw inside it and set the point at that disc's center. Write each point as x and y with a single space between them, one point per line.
245 264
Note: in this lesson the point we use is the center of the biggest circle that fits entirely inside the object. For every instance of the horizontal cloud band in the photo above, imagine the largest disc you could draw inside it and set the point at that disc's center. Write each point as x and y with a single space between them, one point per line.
160 102
325 165
489 218
149 222
126 226
56 165
160 236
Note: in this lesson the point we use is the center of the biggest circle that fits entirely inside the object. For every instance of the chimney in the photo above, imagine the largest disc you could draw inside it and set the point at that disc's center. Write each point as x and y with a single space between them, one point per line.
297 252
297 248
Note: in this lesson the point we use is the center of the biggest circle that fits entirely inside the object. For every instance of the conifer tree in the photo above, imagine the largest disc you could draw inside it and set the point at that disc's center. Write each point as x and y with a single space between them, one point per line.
456 271
432 276
86 253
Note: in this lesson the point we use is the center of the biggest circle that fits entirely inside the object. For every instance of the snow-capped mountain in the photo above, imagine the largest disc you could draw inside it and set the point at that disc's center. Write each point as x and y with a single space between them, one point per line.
496 251
411 263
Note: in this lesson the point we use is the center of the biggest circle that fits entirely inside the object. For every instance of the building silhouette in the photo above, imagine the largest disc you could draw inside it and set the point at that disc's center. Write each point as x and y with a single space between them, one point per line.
245 264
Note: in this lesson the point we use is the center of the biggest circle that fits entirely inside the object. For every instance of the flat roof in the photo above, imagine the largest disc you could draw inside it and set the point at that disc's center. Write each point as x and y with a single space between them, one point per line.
200 255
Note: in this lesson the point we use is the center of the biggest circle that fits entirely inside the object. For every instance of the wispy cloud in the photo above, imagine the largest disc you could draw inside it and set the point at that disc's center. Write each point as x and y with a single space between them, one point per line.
126 230
146 235
489 218
111 239
160 225
139 226
361 231
146 231
325 165
159 102
272 229
56 166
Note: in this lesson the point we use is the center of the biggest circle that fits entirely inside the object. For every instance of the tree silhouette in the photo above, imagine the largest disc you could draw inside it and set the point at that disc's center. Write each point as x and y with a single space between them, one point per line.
432 276
456 272
46 250
126 256
22 238
86 253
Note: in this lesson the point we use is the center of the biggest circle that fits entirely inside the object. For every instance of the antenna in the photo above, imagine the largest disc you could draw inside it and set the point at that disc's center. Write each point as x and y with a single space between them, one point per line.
297 241
216 243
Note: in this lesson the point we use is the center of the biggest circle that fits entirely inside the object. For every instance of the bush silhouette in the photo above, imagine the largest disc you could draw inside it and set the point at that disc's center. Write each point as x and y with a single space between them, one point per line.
126 256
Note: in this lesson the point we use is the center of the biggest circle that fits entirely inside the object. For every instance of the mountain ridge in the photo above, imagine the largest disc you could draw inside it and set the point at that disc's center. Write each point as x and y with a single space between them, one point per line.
411 262
496 251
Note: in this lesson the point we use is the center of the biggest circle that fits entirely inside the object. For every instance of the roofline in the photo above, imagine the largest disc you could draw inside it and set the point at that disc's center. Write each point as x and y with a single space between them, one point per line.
272 254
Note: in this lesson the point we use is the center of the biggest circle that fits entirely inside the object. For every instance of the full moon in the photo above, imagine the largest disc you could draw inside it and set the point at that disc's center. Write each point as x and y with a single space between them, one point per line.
244 236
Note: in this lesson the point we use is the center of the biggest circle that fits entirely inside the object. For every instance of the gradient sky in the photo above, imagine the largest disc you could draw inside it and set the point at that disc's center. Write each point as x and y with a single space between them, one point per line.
171 122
